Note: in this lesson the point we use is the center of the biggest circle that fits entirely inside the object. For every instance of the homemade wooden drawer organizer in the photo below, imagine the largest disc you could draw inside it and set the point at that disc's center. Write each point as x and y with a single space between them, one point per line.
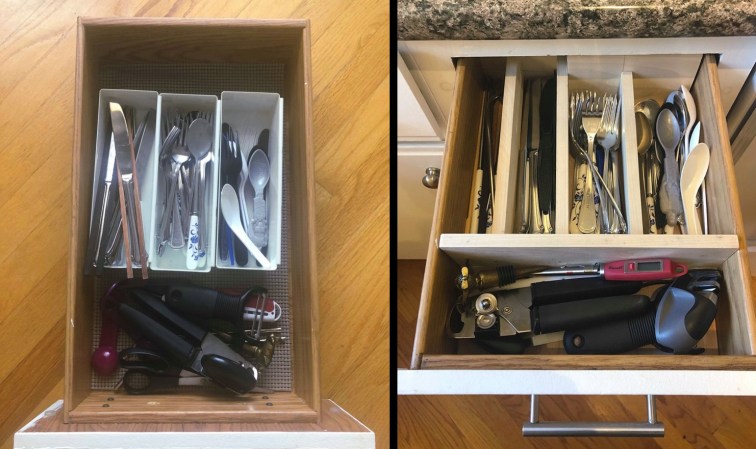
730 344
200 57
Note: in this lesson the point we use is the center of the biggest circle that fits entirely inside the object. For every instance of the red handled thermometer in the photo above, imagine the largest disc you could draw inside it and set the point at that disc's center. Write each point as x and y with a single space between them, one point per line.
623 270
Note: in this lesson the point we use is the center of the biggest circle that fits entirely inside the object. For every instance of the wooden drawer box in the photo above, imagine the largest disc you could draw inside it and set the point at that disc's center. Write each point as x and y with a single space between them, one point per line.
731 343
199 57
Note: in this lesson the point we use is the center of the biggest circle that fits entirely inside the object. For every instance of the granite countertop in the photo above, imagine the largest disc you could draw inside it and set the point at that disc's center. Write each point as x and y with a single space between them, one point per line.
539 19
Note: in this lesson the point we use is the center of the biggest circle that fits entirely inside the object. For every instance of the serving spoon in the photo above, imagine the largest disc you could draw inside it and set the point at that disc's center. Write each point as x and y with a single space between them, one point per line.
669 134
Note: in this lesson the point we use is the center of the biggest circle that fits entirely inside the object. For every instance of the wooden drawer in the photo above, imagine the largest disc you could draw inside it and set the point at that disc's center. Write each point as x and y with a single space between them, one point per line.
731 343
199 57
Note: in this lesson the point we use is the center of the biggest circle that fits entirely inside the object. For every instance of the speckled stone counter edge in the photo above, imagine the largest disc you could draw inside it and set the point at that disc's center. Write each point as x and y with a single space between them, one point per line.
562 19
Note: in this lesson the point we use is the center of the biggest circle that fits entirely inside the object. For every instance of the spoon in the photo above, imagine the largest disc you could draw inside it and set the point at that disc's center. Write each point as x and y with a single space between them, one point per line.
259 175
668 133
643 133
199 141
691 177
230 210
650 108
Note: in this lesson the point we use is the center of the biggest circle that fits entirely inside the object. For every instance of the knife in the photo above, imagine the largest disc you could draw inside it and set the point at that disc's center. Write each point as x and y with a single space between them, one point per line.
124 156
144 143
95 253
547 149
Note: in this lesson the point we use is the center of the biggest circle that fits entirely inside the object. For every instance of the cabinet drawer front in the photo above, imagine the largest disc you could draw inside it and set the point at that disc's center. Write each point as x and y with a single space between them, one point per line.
730 342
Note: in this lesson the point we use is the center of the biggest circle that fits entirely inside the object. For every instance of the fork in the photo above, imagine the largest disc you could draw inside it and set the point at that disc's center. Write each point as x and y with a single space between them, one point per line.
591 112
607 136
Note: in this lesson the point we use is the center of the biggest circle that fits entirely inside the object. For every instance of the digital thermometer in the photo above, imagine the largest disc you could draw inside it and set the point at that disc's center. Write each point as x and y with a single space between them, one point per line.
623 270
642 270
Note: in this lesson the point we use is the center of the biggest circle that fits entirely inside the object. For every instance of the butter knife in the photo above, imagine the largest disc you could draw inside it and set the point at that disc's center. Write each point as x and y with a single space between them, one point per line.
144 143
95 251
124 157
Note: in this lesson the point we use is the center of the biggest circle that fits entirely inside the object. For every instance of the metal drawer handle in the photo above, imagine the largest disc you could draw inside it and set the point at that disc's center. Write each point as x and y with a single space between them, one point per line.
430 180
584 429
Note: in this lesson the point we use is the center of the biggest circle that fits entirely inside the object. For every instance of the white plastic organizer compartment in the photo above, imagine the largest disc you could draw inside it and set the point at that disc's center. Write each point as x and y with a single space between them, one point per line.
141 101
249 113
175 259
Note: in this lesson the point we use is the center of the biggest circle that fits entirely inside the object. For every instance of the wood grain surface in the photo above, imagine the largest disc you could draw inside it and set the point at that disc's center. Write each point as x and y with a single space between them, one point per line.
478 421
350 72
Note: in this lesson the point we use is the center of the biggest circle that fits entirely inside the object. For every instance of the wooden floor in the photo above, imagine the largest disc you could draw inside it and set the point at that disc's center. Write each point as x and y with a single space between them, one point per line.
350 58
489 422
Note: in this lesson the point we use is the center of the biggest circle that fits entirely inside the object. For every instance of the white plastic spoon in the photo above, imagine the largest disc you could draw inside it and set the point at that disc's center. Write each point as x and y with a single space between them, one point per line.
230 210
691 177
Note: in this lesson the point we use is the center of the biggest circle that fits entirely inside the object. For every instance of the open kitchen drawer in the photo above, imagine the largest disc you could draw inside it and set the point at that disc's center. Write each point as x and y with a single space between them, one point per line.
443 365
200 57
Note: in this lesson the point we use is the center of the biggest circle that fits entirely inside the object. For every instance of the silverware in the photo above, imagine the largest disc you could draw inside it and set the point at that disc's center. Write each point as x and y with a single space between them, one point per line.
133 215
259 174
103 204
199 141
143 143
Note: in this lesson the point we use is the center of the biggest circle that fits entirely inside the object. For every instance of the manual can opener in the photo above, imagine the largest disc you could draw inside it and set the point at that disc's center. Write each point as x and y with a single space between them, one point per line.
552 306
187 345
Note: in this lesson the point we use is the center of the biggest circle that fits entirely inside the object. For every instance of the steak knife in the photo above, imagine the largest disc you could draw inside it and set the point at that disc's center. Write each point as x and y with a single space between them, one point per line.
547 149
124 157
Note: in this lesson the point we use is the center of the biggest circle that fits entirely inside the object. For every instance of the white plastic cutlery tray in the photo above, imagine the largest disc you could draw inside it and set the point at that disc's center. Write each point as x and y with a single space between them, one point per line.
250 112
634 77
141 102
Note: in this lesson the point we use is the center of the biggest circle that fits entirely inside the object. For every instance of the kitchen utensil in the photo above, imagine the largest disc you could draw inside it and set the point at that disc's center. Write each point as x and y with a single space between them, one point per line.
679 319
623 270
230 209
143 145
591 114
199 141
669 135
524 163
691 178
577 136
259 174
690 107
547 153
695 135
553 306
536 224
608 137
231 247
125 160
186 345
644 135
148 372
102 210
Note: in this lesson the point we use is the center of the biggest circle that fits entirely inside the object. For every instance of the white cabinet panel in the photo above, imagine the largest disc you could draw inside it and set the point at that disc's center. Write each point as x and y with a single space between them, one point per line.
415 202
415 122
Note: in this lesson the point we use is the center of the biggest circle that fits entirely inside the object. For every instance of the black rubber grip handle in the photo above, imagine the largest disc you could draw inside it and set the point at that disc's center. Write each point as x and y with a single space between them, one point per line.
205 303
553 292
171 319
612 337
177 349
588 312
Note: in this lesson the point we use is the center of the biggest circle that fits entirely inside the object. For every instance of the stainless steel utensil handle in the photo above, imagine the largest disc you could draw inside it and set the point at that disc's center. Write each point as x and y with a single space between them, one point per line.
128 193
652 428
